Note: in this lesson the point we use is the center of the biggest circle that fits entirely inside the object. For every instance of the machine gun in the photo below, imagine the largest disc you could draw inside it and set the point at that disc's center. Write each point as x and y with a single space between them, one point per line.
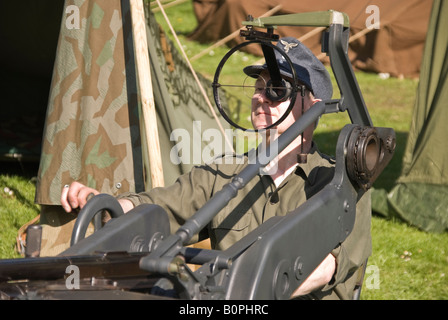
134 256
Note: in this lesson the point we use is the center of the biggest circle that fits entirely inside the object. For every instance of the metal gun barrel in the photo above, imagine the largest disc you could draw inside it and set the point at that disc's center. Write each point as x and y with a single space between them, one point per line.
51 268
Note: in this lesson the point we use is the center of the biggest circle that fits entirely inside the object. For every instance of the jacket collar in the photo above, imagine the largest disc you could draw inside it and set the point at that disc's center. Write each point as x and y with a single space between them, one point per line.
315 160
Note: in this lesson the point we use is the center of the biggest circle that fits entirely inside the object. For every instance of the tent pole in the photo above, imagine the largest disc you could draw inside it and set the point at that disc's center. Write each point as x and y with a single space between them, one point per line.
195 76
169 5
146 92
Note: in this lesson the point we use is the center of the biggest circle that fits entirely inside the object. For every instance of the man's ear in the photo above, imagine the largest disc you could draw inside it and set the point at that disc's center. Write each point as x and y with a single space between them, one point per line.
314 100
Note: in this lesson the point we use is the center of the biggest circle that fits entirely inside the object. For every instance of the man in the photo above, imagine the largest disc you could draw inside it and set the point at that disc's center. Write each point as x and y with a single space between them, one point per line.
267 195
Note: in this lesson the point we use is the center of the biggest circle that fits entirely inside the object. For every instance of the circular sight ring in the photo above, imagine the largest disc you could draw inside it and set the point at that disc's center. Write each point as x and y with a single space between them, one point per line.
216 85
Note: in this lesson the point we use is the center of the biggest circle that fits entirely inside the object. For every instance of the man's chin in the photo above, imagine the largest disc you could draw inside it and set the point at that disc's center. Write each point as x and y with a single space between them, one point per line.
261 125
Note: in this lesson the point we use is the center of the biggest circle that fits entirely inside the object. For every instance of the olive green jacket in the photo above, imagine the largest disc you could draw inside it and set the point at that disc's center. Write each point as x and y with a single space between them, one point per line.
258 201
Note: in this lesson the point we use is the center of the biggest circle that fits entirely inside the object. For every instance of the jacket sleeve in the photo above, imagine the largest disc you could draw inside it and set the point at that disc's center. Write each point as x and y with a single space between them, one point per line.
353 253
181 199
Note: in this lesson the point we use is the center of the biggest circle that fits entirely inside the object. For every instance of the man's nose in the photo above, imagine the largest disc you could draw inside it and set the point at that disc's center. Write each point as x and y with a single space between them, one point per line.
262 97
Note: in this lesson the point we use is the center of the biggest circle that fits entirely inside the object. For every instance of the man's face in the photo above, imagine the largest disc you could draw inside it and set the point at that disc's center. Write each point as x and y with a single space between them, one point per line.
265 112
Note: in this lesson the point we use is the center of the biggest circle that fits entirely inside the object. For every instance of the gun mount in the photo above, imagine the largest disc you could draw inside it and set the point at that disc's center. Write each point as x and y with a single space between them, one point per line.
133 256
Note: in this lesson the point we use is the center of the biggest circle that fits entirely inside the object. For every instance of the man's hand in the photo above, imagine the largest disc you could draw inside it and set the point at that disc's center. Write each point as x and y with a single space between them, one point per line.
318 278
75 196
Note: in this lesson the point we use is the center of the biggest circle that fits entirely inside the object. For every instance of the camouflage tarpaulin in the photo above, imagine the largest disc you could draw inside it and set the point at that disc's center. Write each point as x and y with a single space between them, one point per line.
93 124
92 114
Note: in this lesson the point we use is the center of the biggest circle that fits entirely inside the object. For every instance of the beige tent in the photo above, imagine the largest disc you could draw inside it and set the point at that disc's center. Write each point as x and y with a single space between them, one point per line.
394 47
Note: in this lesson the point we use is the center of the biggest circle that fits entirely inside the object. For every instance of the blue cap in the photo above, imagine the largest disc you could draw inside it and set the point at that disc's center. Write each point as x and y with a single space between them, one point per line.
310 71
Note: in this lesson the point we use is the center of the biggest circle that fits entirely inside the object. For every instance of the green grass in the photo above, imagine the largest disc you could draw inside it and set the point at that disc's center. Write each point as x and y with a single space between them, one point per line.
406 263
412 264
16 208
